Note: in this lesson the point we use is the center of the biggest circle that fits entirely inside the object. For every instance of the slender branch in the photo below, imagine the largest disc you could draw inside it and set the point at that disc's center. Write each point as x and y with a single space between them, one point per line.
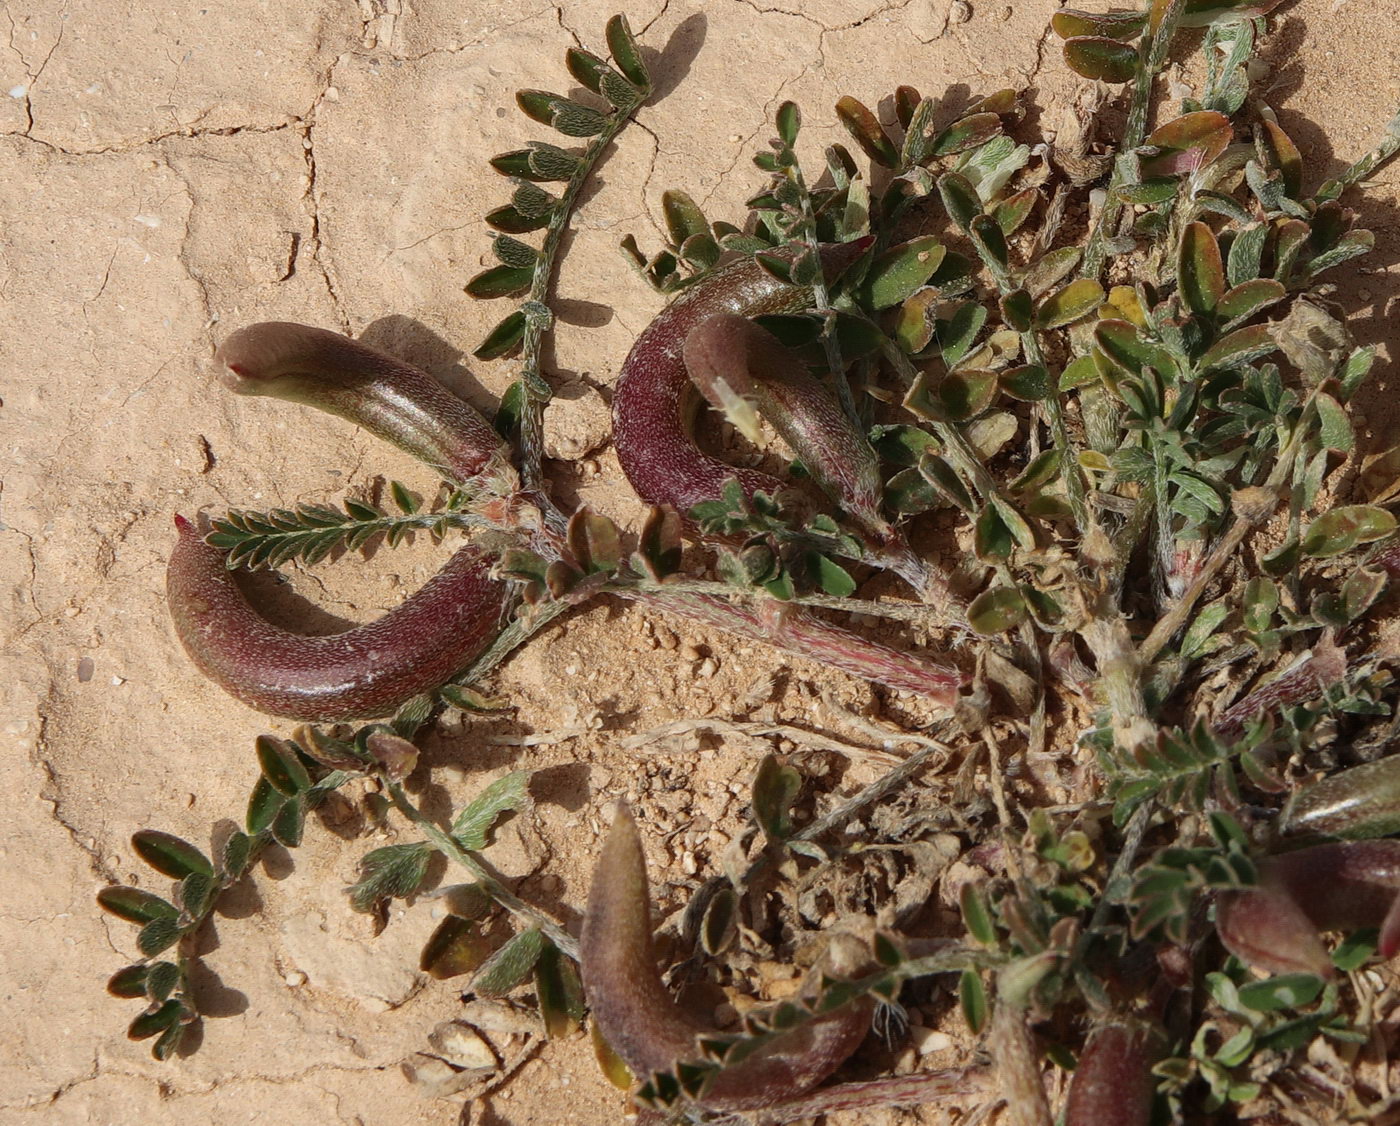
892 1091
1152 57
917 613
1367 164
1252 507
539 320
510 639
821 299
446 844
879 789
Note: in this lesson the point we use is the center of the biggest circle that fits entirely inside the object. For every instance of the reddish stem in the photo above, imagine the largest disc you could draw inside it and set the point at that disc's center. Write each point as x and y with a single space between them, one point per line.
646 1027
1326 665
800 632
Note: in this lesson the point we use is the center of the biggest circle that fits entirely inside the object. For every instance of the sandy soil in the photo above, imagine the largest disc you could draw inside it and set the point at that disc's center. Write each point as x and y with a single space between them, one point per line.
174 171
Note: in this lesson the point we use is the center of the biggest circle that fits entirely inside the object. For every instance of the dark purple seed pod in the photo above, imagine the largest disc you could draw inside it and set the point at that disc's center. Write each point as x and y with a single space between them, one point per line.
1343 886
737 365
1112 1086
389 398
1265 927
366 671
643 1023
653 404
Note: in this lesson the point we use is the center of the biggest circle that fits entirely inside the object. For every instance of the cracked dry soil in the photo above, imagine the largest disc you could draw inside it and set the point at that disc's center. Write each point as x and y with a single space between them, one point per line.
174 171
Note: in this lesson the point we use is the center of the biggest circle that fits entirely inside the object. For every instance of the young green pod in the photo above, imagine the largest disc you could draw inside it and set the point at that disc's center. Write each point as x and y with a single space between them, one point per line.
389 398
366 671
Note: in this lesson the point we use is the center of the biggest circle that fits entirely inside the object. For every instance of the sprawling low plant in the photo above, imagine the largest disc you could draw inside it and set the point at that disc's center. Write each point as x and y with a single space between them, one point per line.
1117 367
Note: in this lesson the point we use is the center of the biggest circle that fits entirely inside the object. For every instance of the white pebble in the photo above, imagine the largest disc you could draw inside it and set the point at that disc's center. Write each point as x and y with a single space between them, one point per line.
926 1041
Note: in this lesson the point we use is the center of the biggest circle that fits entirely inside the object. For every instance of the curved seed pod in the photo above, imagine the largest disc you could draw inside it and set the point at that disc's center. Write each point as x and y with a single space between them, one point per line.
389 398
653 410
1363 801
366 671
1342 886
1113 1085
795 630
645 1026
1265 927
736 363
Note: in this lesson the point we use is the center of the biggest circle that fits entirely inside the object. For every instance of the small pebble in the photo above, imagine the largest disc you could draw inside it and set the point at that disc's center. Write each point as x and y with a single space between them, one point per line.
294 979
926 1041
960 11
85 666
708 668
462 1046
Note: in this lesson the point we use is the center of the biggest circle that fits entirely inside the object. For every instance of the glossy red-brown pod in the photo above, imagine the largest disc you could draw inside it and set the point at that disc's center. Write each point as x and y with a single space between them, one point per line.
389 398
1113 1082
654 403
1343 886
646 1026
366 671
733 361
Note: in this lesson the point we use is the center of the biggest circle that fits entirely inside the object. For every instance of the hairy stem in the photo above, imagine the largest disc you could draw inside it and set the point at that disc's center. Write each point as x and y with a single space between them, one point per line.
446 844
1252 507
1152 57
539 320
